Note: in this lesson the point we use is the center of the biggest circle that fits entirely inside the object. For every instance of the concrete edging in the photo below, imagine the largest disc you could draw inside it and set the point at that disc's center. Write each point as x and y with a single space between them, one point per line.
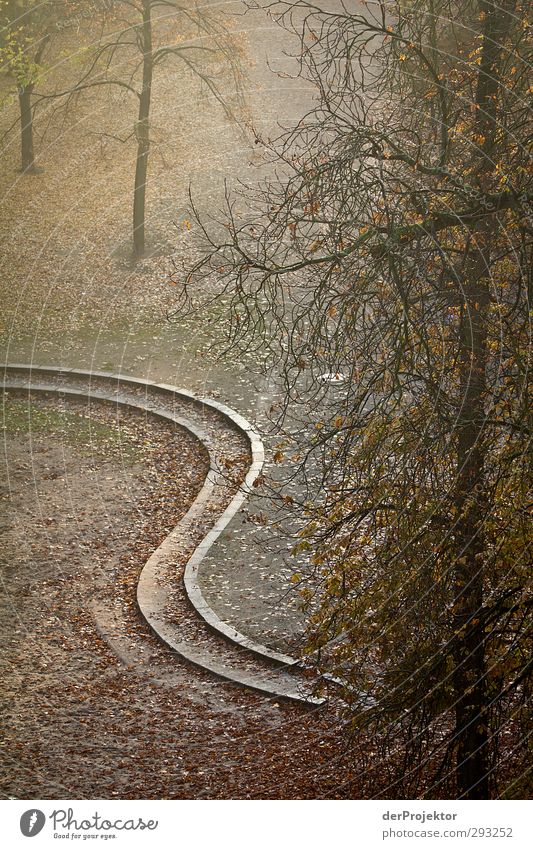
145 587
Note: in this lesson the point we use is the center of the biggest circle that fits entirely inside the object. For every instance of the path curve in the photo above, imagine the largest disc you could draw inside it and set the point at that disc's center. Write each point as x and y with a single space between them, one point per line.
274 678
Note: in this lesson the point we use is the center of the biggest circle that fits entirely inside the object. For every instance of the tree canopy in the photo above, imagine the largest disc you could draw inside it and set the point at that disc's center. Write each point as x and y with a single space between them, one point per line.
393 248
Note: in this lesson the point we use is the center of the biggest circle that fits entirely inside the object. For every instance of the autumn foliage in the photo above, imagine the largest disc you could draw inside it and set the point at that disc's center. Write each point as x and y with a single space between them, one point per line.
395 249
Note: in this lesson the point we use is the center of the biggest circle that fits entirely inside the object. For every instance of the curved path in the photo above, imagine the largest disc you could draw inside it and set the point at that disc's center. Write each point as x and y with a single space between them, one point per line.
236 459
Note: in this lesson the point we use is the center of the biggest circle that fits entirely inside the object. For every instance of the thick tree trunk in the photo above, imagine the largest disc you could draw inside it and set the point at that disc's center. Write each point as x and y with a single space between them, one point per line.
471 702
26 129
25 91
470 504
143 135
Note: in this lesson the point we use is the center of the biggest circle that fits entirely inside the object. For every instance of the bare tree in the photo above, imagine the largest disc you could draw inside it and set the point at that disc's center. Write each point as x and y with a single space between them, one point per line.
27 29
393 253
146 34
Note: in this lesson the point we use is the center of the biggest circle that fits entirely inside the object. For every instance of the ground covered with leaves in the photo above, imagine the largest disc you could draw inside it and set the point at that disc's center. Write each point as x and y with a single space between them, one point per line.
93 708
93 705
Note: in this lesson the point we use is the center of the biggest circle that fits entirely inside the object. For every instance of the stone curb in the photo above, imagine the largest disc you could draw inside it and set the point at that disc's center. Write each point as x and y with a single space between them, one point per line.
147 585
190 577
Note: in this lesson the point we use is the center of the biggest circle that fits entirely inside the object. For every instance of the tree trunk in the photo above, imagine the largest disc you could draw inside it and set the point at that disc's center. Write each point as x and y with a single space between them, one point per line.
471 702
26 128
469 655
143 135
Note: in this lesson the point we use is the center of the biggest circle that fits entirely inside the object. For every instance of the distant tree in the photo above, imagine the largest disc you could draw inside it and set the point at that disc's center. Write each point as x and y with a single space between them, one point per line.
394 250
27 29
25 37
150 33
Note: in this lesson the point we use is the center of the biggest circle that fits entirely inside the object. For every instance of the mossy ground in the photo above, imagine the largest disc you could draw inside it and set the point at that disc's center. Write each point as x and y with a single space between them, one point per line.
75 428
